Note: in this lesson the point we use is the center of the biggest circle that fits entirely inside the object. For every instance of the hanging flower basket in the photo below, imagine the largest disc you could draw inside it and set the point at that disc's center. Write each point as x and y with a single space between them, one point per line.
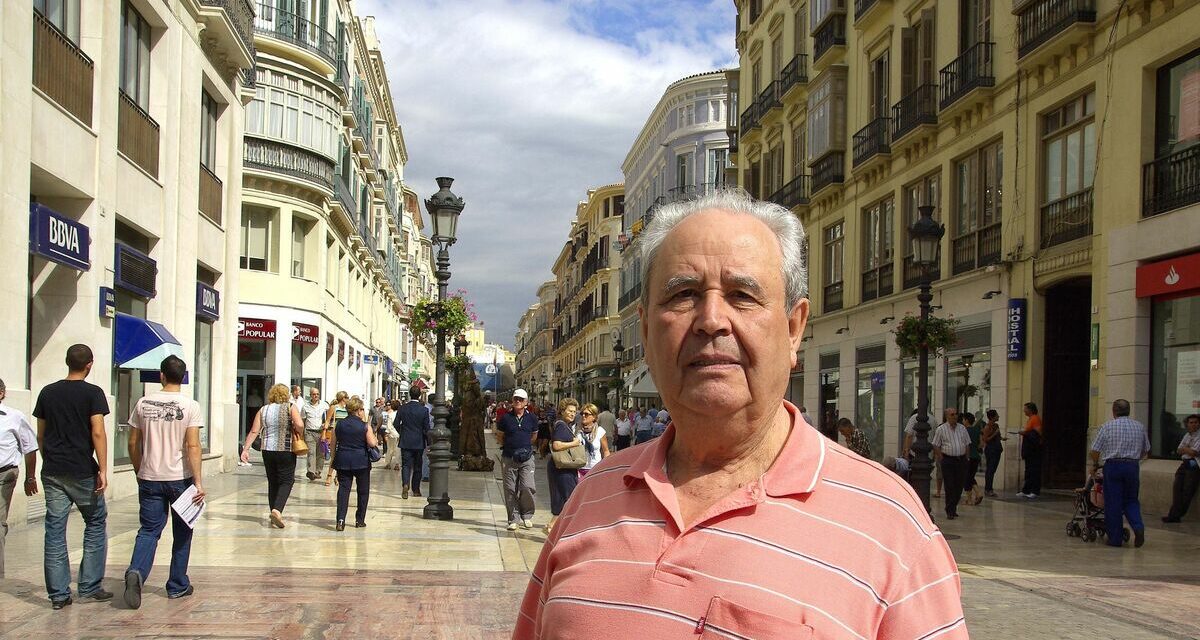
454 315
936 334
458 363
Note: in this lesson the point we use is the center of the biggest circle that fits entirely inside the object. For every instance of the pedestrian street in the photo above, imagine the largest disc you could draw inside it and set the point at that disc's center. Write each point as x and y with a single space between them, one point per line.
406 577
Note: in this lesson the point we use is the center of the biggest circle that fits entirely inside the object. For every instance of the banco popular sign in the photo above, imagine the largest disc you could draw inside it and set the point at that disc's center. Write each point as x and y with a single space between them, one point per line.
256 329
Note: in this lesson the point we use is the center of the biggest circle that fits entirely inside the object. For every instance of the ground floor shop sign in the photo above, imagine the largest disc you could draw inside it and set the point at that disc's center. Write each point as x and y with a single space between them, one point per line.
58 238
256 329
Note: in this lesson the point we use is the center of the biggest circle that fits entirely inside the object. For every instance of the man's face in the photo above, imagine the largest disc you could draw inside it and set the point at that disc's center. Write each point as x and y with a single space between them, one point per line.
1192 423
717 335
519 404
951 417
314 396
379 402
295 392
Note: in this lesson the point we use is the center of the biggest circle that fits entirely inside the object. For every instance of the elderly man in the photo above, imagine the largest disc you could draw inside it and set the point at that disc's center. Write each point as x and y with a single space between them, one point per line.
1187 476
740 521
1120 446
951 444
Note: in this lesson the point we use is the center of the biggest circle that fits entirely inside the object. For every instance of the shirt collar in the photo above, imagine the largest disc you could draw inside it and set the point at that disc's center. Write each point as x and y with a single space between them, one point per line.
795 471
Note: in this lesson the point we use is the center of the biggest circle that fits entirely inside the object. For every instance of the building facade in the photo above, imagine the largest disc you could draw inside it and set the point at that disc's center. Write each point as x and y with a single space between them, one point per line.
1024 127
535 346
587 275
681 152
121 125
327 231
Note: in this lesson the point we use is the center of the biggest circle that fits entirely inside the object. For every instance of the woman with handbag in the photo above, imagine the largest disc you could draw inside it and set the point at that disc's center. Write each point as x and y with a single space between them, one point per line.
279 425
355 447
595 440
565 449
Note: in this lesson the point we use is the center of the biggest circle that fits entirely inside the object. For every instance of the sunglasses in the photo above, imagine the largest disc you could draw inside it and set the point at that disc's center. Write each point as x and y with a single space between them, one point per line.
588 413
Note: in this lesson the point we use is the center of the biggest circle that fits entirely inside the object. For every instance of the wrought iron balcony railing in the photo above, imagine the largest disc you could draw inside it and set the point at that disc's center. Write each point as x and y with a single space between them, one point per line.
1067 219
832 298
1042 20
913 275
830 169
793 193
976 249
770 98
1171 182
241 15
971 70
878 282
872 140
288 160
914 110
830 35
295 29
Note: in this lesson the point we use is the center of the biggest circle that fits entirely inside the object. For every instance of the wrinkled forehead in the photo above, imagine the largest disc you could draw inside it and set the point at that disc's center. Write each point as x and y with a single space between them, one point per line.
735 247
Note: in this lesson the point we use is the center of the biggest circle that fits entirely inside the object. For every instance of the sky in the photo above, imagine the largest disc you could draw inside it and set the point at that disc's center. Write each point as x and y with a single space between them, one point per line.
527 104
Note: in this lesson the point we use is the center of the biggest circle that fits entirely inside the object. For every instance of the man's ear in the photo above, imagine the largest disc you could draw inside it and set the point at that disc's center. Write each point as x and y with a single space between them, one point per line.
797 322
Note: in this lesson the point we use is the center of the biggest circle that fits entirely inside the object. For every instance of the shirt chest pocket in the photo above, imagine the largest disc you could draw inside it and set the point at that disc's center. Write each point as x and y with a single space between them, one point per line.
725 619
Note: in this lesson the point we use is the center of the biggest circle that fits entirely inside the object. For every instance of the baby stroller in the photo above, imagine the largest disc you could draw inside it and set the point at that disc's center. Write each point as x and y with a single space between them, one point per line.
1088 522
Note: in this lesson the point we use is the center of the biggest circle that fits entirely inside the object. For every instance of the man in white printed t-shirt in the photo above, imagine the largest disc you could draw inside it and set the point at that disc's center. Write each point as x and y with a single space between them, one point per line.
166 426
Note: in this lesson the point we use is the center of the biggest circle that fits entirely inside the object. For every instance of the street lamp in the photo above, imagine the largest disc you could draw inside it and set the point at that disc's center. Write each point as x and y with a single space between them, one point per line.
542 390
558 383
444 208
618 351
926 234
579 383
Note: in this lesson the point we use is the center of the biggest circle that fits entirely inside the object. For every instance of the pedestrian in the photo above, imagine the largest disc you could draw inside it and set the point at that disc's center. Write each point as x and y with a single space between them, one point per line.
545 431
1120 446
856 440
164 449
392 458
608 421
351 439
412 423
562 481
377 416
643 429
1187 476
1032 440
910 434
17 440
950 447
312 414
70 424
974 457
337 411
595 438
660 423
517 433
992 438
624 430
277 423
297 397
807 418
736 523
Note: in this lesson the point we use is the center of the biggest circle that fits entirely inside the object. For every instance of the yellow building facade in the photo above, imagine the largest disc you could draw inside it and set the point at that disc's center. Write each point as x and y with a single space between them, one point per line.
1054 139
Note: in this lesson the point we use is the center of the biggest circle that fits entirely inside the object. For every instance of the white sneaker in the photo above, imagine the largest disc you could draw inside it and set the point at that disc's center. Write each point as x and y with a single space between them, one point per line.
528 524
512 526
1022 494
1031 496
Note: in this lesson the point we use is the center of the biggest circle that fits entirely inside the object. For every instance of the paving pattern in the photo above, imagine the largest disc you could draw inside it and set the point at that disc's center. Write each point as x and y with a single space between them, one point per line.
406 577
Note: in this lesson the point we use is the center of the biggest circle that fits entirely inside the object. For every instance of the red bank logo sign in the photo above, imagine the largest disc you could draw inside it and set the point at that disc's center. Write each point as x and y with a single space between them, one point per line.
1170 277
306 333
256 329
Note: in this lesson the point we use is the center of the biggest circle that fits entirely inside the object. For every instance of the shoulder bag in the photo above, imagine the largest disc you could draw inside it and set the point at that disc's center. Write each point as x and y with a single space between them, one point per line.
373 453
574 458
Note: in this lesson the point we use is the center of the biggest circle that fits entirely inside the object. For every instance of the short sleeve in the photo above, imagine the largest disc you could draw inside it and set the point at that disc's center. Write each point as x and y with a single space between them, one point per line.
26 436
135 418
926 601
562 432
1096 444
99 402
37 407
197 417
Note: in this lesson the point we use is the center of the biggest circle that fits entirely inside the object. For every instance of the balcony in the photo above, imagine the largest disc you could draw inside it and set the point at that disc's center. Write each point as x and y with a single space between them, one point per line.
283 159
137 135
830 169
872 141
231 24
794 74
864 12
1041 21
211 195
770 98
878 282
345 199
61 70
914 275
298 31
1171 182
916 109
970 71
832 298
793 193
629 297
976 249
829 35
1067 219
749 119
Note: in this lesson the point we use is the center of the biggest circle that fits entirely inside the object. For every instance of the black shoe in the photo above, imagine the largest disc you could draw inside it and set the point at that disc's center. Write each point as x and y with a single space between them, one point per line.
133 589
99 595
360 525
182 594
416 493
1139 537
1170 520
341 525
58 604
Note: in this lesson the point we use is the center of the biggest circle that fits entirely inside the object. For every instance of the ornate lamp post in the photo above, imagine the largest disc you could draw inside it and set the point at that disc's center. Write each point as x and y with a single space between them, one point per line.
926 234
444 208
558 380
618 351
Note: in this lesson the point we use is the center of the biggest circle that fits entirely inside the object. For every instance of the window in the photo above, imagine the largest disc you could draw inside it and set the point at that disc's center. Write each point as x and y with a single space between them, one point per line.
756 78
832 272
208 131
718 161
299 246
135 57
827 114
823 9
776 57
683 172
256 239
800 33
976 203
877 250
201 379
1069 144
917 54
869 409
799 167
976 23
773 178
63 14
1175 355
879 107
1177 110
925 191
298 113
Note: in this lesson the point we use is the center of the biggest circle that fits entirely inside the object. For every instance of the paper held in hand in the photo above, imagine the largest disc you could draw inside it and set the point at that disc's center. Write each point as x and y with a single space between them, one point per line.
188 511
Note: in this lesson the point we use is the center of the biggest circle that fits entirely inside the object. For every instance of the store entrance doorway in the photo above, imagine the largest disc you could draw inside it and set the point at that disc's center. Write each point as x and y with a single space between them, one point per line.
252 394
1067 382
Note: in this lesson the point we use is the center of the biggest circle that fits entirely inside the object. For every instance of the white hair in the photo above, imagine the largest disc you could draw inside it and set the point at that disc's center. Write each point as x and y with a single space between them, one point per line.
783 223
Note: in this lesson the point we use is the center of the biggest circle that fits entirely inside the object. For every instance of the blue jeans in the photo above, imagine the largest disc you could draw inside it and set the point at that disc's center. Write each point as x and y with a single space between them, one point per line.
61 493
156 497
1121 485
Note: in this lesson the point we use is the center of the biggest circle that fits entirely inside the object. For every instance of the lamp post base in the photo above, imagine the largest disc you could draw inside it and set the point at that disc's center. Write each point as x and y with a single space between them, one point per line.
439 510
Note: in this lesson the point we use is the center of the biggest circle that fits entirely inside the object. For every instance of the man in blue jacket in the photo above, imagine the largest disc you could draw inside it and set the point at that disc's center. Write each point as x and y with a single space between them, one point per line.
413 424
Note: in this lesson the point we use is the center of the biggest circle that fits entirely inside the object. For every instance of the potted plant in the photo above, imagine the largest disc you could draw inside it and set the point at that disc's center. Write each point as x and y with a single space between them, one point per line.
936 334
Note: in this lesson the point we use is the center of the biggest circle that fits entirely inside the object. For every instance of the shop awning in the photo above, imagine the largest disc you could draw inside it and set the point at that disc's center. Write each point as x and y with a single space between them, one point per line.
639 383
142 344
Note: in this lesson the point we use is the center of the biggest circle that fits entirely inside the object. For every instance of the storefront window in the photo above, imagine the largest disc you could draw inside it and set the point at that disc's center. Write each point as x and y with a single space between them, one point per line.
968 383
795 393
908 396
1175 371
869 406
201 379
829 400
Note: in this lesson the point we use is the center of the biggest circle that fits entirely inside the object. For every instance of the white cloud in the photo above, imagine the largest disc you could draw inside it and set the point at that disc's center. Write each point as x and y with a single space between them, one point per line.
527 105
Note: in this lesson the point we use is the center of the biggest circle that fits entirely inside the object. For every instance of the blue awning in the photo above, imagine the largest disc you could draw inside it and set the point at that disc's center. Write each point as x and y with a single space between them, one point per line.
142 344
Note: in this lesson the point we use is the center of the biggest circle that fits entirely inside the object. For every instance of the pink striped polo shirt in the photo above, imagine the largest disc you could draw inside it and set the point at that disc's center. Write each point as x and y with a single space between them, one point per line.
824 545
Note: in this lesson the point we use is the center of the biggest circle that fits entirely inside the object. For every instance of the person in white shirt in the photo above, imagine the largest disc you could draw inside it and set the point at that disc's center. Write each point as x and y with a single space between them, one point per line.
312 413
624 429
297 397
392 459
17 440
594 441
951 444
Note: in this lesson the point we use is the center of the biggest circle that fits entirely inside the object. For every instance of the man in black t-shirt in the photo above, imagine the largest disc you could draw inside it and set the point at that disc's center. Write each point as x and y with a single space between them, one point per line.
70 428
